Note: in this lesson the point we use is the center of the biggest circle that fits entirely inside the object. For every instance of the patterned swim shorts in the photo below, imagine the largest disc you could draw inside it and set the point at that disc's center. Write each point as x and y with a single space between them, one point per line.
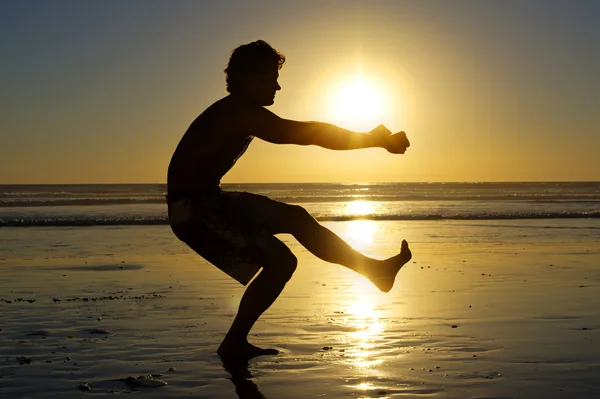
229 229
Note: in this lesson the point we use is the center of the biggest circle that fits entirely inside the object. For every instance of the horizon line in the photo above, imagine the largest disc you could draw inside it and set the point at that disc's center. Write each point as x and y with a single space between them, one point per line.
313 182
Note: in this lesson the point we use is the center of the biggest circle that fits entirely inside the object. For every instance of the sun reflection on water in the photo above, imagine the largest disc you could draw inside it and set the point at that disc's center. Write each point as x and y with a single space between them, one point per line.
363 313
363 386
359 208
359 233
367 329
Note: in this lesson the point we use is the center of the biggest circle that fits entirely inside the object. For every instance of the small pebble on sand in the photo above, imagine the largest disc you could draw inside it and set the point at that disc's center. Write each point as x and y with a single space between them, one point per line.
144 382
40 333
84 387
97 331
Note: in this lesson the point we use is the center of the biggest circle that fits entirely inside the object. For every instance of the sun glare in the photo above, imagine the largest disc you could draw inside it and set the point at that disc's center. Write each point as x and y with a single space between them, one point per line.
358 103
359 208
359 233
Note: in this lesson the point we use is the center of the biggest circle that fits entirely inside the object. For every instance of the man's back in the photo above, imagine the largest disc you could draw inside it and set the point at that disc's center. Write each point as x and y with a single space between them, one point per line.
209 148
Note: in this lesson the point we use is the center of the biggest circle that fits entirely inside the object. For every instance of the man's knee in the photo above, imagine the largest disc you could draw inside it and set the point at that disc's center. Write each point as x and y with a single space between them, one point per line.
288 267
298 212
283 266
298 217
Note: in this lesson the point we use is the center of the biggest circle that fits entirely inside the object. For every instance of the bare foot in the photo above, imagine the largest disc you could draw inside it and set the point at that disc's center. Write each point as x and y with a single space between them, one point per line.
242 351
386 275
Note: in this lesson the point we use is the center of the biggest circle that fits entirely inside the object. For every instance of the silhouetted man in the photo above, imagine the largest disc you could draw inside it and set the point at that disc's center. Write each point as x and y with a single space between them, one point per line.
235 231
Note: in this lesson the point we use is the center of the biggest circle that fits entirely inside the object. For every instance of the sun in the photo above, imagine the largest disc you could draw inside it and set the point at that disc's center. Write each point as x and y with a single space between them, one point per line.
358 103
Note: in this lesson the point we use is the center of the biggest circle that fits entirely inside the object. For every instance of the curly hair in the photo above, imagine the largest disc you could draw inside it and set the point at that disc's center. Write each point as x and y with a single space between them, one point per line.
249 58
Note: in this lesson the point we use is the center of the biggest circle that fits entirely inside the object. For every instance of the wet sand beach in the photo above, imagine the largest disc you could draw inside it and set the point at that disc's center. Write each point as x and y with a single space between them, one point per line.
486 309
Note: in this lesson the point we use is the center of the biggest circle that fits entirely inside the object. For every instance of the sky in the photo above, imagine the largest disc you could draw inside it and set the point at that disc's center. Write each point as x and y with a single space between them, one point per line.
102 91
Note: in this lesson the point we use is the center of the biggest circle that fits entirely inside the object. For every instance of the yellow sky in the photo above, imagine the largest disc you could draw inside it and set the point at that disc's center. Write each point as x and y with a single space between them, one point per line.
484 92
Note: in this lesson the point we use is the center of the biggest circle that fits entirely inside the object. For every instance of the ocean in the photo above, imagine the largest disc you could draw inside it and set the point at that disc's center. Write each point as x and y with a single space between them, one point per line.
144 204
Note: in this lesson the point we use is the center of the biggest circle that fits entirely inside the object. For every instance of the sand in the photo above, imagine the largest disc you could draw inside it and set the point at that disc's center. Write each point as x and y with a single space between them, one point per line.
485 310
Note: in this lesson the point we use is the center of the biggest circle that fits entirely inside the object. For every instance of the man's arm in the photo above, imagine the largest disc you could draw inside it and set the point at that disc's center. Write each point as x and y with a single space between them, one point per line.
322 134
266 125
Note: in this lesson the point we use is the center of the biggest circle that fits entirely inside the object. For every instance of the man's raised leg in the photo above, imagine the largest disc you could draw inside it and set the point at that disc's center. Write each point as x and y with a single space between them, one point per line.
326 245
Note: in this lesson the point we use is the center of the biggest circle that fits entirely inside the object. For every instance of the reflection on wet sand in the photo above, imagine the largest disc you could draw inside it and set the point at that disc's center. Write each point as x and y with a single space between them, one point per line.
367 330
241 377
363 311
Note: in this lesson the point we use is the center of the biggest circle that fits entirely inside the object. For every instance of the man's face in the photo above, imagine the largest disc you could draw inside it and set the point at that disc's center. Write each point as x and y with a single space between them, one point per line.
261 87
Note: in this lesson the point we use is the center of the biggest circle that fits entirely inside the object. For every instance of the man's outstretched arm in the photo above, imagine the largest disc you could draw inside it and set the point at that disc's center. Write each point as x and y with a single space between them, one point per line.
269 127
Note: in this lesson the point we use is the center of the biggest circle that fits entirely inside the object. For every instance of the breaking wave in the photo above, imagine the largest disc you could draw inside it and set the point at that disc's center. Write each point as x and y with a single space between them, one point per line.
141 221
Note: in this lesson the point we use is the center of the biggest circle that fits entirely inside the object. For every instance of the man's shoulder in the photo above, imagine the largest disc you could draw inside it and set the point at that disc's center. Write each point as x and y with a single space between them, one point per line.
226 109
232 112
224 116
218 112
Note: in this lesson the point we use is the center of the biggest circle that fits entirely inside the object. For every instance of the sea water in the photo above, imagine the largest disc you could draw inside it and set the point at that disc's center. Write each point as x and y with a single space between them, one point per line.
144 204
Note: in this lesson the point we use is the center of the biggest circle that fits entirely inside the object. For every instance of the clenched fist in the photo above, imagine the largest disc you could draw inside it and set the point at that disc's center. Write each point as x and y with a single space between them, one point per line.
395 143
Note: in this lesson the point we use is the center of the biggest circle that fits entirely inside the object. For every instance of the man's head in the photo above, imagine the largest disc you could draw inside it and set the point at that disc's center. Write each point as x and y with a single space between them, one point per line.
252 72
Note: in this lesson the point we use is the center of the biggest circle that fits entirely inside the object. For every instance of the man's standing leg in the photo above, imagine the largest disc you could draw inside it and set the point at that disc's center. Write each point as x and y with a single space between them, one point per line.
278 264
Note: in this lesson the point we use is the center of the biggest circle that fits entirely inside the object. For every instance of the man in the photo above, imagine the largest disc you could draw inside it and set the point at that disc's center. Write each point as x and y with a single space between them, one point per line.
235 231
